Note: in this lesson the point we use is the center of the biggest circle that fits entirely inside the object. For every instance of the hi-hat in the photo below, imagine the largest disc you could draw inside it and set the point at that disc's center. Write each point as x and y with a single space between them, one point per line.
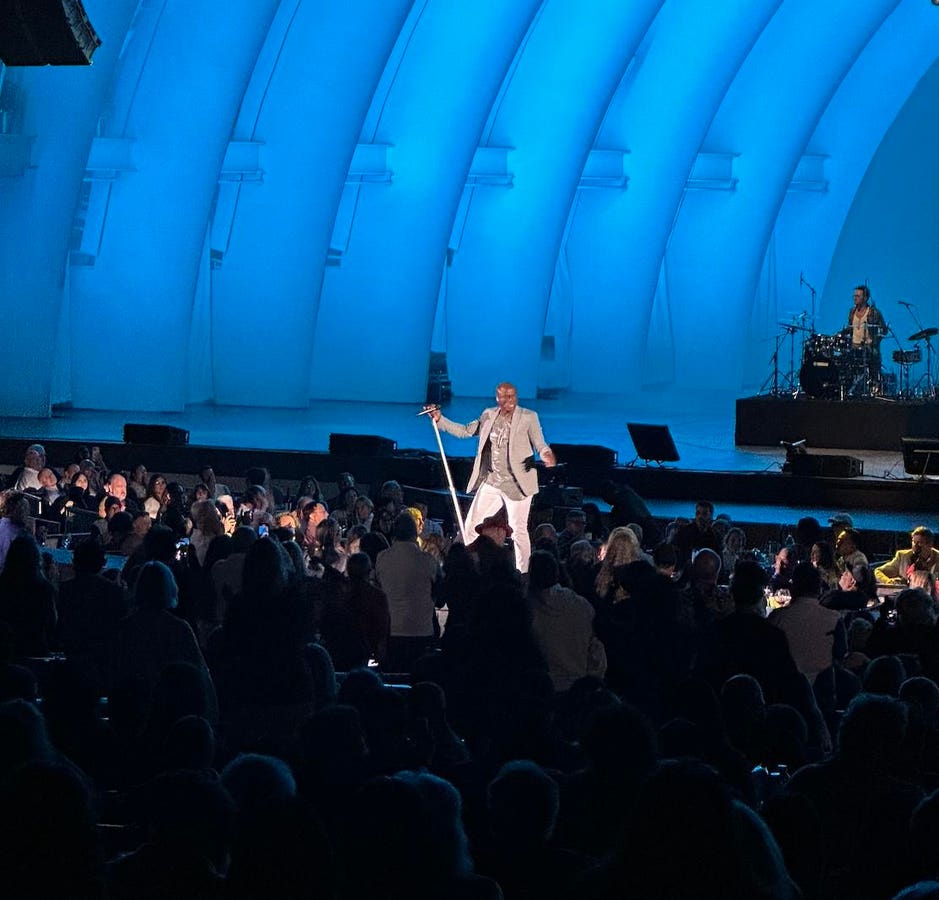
793 327
922 335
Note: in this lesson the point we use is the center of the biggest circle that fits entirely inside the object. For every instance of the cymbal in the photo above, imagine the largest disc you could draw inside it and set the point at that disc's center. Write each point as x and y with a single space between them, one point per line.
793 327
922 335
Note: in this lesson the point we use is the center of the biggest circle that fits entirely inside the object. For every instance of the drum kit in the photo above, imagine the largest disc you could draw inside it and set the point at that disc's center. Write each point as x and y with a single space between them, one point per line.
833 368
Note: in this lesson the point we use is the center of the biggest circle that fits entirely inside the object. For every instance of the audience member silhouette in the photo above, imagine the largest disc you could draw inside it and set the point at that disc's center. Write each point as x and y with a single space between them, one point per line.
190 821
855 793
745 643
562 622
48 843
90 609
621 751
27 599
523 803
151 637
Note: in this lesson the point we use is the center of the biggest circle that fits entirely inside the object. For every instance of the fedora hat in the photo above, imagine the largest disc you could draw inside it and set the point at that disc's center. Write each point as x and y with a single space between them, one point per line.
498 519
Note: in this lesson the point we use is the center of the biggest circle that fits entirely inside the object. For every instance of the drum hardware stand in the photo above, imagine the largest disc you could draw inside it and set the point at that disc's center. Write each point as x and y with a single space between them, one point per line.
900 357
923 334
794 386
929 391
789 331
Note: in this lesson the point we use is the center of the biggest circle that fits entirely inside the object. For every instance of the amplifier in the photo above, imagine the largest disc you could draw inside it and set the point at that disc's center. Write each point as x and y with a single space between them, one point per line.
361 445
162 435
824 465
591 455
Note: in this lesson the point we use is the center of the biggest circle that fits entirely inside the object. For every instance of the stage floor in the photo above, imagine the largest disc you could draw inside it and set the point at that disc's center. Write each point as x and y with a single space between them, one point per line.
702 426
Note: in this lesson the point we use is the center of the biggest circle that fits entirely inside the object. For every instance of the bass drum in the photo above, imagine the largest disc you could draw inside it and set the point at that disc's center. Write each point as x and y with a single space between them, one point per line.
820 378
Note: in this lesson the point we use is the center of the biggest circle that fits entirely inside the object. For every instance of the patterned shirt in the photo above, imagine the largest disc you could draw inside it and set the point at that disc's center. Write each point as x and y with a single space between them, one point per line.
500 475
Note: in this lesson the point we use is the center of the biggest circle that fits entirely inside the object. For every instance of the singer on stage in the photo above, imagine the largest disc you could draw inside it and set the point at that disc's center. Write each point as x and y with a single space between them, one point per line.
503 473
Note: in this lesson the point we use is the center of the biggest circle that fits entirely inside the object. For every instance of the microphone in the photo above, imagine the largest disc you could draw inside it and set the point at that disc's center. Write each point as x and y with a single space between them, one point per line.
904 303
801 279
428 410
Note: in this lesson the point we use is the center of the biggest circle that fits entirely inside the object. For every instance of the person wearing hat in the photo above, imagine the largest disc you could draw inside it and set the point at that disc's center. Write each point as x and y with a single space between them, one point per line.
839 522
490 548
503 472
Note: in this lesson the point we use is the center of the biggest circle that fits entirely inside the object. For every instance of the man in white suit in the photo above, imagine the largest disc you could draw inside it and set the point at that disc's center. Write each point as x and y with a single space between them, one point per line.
503 473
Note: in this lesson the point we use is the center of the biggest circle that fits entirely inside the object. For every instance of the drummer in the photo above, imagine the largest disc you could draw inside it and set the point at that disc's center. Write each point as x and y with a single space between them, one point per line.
867 328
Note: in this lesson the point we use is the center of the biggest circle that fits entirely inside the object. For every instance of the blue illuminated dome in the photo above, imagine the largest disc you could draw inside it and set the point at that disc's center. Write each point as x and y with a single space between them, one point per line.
302 200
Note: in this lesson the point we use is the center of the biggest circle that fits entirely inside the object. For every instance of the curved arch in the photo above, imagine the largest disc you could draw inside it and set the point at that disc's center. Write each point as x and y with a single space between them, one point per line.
57 114
860 115
429 116
302 114
767 117
500 280
181 100
617 239
890 231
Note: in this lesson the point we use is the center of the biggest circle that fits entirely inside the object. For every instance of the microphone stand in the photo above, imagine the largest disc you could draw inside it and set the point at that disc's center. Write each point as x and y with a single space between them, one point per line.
812 292
446 468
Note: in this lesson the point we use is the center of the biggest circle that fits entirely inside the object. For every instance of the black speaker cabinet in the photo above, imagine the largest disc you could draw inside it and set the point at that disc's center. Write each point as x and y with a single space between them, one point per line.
163 435
589 455
46 33
361 445
824 465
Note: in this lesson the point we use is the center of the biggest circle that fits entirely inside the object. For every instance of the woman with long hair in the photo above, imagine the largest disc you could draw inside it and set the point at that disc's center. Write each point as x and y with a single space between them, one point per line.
620 549
157 497
77 495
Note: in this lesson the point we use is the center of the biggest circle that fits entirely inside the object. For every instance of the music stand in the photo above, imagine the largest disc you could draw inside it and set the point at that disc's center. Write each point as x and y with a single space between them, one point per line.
653 443
920 456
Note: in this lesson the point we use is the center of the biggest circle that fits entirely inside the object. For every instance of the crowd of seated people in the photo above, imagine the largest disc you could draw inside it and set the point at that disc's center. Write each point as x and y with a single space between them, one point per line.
326 697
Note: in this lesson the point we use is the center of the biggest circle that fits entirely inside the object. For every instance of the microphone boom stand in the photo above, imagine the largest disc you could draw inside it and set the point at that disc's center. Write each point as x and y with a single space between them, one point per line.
446 468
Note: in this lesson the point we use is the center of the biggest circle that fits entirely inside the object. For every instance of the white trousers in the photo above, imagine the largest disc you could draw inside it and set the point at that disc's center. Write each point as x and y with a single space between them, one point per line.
486 503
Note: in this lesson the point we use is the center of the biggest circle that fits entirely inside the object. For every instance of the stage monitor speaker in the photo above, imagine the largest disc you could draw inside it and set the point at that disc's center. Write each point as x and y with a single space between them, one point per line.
46 33
585 455
920 455
162 435
361 445
822 465
653 443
